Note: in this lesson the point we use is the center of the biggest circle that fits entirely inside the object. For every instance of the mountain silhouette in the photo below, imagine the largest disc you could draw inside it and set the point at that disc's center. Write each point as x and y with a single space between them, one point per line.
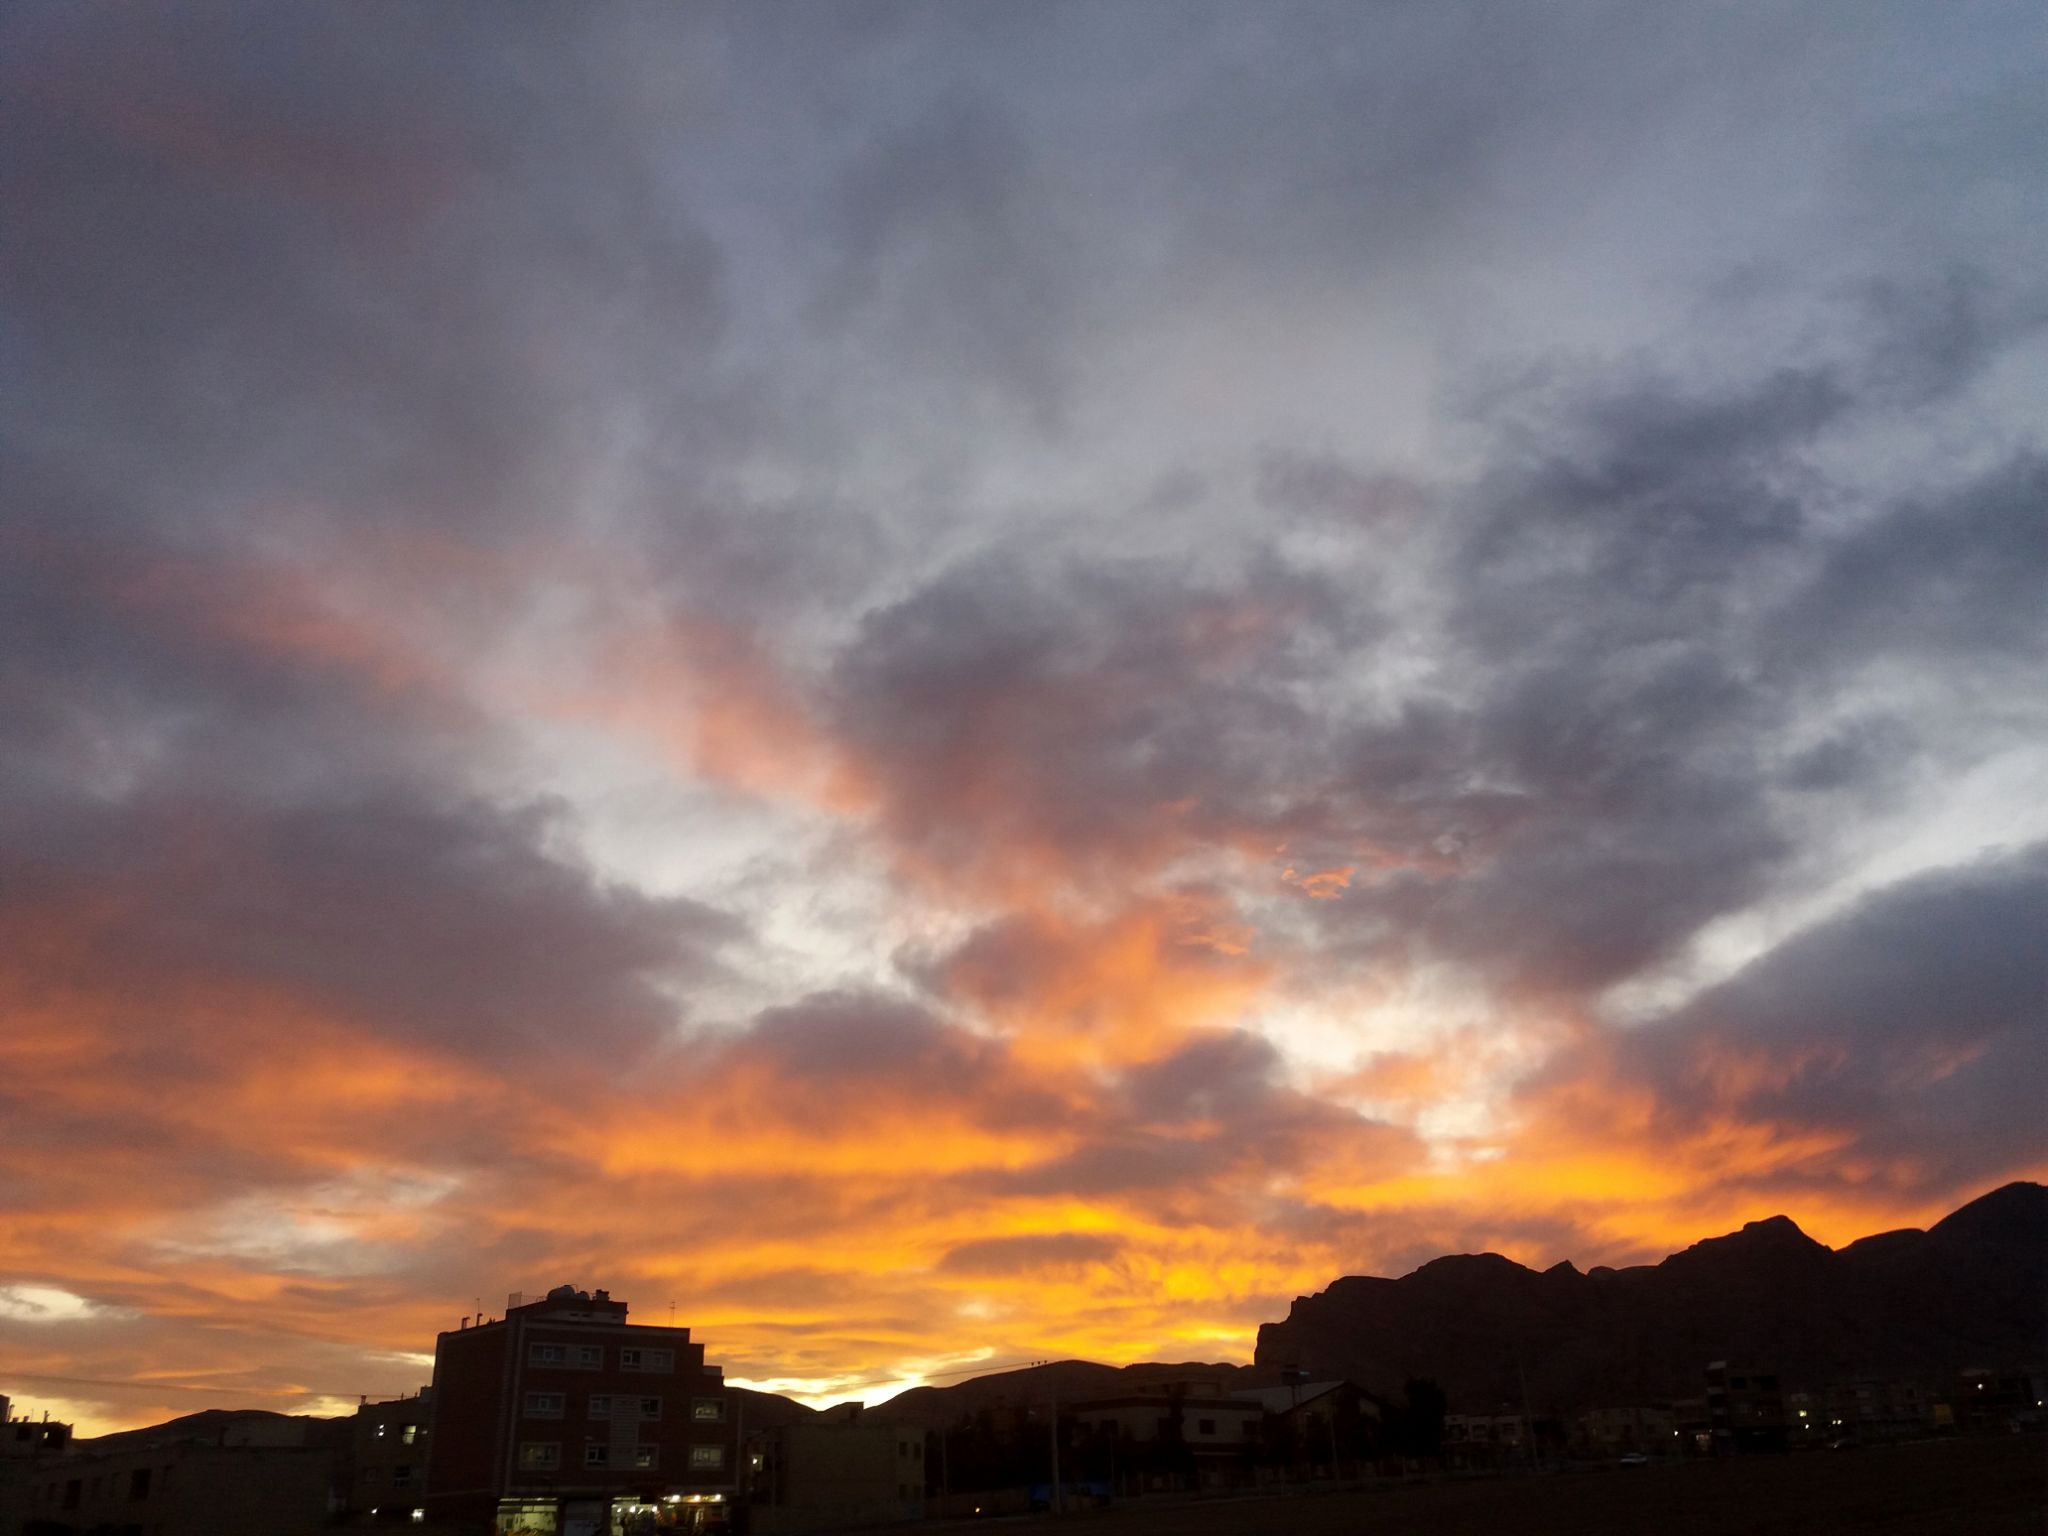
1972 1290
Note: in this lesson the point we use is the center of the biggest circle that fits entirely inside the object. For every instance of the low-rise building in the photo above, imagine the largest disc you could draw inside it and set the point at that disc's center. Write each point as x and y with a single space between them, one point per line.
837 1470
1317 1424
1999 1398
387 1463
26 1446
1485 1439
1647 1430
1196 1422
183 1489
1745 1407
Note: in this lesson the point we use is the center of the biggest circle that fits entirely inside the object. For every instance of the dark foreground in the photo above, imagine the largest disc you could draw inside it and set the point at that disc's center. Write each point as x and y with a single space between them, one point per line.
1977 1487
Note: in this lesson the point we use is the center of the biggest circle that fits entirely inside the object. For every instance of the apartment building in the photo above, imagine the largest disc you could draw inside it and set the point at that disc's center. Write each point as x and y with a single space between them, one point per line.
561 1418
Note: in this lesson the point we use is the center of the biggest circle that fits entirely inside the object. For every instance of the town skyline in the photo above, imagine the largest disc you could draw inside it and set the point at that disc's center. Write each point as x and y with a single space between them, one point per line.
990 1365
909 675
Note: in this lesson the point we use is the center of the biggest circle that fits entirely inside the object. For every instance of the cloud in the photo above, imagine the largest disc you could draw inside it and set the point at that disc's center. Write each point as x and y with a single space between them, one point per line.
44 1304
1008 1256
417 921
914 678
1888 1045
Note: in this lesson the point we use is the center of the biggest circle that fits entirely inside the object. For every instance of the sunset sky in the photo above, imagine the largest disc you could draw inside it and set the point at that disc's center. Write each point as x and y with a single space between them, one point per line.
970 682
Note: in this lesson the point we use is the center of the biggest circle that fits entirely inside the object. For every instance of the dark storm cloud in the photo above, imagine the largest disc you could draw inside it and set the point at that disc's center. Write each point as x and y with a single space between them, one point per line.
1205 1132
1082 710
1955 579
1906 1032
1651 592
130 662
450 926
848 1036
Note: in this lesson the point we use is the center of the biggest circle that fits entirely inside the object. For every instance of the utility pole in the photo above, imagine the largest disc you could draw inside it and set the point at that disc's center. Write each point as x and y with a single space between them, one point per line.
1058 1504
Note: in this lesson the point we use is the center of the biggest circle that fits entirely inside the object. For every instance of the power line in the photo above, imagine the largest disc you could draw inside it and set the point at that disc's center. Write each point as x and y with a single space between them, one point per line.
153 1384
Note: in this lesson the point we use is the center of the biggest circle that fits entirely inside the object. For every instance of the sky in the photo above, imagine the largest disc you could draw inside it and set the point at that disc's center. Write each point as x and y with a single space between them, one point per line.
969 683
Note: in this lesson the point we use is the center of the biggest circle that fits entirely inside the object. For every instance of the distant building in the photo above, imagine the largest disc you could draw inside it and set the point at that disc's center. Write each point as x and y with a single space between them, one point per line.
1867 1410
1485 1439
563 1419
1213 1433
1745 1408
835 1471
222 1486
1317 1423
24 1439
26 1446
1999 1399
1651 1430
1311 1401
387 1462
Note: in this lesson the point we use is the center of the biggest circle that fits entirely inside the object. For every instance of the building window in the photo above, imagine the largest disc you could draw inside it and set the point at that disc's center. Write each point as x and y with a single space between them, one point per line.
1205 1426
536 1354
646 1457
539 1455
545 1405
707 1457
708 1410
596 1455
600 1405
647 1359
401 1476
409 1434
650 1408
138 1484
590 1356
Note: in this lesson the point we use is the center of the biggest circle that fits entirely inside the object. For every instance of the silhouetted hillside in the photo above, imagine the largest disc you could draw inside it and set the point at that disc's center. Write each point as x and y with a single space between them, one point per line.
1971 1290
1034 1386
758 1410
766 1410
227 1425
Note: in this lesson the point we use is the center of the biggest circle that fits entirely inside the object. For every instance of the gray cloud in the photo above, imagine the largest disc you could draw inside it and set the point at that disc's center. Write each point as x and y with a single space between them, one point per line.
449 925
1202 1134
1909 1024
1024 1255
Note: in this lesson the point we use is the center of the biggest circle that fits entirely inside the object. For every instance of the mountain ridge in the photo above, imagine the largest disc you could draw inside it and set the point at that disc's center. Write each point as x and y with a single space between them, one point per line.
1907 1304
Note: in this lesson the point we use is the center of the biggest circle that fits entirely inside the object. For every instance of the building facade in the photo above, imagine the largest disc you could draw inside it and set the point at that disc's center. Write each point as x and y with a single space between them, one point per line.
190 1489
387 1461
1746 1408
838 1470
564 1419
1189 1433
26 1447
